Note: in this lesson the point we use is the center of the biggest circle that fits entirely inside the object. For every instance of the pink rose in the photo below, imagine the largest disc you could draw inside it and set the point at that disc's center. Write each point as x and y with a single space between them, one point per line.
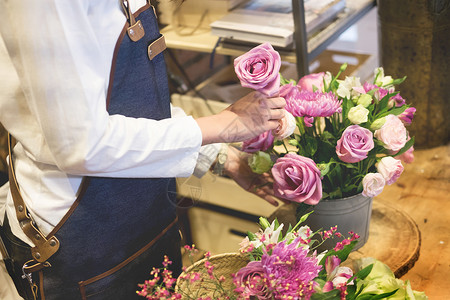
286 126
249 281
354 144
393 133
260 143
297 178
407 116
373 184
390 168
307 82
259 69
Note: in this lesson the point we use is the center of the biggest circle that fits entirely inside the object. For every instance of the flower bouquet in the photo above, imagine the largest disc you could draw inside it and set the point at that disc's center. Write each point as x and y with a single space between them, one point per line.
273 265
338 138
340 141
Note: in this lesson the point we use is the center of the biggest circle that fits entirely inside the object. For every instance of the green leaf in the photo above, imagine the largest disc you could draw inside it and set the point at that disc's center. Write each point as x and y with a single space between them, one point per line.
371 296
349 188
398 80
331 295
277 143
326 136
383 104
405 148
362 274
346 105
284 81
395 111
311 144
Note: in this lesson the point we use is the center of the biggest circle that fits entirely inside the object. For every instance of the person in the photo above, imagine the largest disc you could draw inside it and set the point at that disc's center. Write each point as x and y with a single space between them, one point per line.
97 146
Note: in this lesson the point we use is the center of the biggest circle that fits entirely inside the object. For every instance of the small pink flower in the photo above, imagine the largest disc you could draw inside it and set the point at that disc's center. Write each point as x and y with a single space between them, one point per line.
379 93
397 100
407 116
259 69
393 133
390 168
297 178
260 143
307 82
354 144
373 184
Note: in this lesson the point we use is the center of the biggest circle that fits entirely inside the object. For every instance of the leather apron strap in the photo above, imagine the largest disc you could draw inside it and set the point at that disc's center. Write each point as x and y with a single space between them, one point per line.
44 248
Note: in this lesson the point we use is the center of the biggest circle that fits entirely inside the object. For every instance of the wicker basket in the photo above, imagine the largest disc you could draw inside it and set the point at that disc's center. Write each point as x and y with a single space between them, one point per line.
224 264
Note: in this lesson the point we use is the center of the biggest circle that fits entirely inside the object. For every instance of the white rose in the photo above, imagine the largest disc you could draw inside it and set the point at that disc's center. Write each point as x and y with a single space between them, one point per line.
373 184
390 168
358 114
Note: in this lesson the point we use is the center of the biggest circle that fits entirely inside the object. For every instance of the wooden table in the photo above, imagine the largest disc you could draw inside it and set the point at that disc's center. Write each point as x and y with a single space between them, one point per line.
423 192
394 239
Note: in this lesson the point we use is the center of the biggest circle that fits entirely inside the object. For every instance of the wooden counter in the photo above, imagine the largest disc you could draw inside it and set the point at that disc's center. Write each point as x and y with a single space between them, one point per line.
423 192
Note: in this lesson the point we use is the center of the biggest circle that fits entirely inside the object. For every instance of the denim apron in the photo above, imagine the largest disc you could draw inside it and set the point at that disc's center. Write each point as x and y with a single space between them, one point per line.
119 229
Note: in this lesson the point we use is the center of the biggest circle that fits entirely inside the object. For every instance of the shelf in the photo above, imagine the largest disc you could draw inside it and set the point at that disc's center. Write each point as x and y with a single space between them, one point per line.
202 40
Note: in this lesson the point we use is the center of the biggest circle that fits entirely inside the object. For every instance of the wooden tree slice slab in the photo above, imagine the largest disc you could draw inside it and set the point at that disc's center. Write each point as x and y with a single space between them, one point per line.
394 239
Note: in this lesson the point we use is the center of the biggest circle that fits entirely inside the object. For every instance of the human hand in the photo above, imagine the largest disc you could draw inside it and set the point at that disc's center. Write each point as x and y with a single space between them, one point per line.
247 118
236 167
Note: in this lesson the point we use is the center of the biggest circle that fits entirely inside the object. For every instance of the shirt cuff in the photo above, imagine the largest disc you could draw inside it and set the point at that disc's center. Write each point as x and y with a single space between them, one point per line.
206 157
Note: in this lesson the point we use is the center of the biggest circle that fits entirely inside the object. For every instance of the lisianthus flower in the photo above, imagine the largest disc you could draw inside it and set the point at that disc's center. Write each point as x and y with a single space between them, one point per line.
397 101
312 104
260 162
393 133
408 156
290 271
358 114
390 168
407 116
379 93
373 184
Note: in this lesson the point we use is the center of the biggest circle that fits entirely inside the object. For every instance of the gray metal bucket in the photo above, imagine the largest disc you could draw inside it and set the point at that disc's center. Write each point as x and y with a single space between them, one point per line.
349 214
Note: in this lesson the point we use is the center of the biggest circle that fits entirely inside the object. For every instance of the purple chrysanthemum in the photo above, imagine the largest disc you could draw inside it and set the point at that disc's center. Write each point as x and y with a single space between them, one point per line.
290 271
313 104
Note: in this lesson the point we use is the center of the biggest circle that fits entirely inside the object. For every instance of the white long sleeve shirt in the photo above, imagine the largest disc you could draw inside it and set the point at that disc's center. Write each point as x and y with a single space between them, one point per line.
53 101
